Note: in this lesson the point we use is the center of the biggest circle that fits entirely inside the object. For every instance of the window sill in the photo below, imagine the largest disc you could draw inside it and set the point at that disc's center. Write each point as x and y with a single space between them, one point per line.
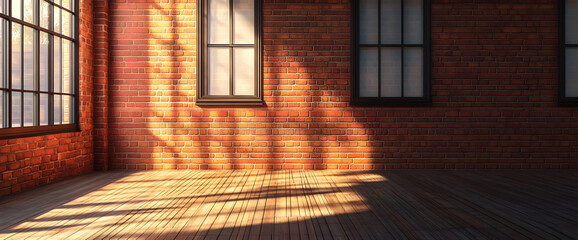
393 101
21 132
229 102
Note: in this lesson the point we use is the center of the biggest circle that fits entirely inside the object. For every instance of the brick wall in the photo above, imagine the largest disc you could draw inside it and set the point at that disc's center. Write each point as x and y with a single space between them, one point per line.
494 77
33 161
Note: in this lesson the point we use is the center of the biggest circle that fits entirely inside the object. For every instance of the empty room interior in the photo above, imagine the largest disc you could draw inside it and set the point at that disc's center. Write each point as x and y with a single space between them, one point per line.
288 119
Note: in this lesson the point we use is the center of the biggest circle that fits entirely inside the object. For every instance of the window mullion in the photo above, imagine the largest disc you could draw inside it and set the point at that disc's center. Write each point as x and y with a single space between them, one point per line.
36 76
402 50
379 48
231 32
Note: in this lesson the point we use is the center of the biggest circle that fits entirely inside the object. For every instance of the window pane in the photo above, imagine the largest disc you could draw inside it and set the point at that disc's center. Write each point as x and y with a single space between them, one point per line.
368 72
66 66
16 56
413 21
29 11
66 109
59 2
244 21
29 58
57 15
57 109
218 71
57 64
368 18
44 14
29 109
391 21
413 72
244 71
218 21
66 20
43 109
16 109
571 20
17 9
2 83
1 109
43 70
571 72
67 4
391 72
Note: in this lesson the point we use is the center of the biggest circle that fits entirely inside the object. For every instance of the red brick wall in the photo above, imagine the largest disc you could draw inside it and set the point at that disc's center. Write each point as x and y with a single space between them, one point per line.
101 78
33 161
494 77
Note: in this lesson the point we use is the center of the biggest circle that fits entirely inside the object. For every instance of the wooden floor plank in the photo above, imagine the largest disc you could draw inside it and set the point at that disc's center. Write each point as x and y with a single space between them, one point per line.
298 204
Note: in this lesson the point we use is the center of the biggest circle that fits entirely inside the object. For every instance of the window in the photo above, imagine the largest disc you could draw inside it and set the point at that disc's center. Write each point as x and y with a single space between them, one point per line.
568 51
391 52
230 59
38 67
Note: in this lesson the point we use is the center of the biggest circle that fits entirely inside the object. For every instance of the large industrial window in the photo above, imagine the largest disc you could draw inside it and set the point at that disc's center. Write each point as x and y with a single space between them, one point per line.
391 52
38 67
229 52
568 51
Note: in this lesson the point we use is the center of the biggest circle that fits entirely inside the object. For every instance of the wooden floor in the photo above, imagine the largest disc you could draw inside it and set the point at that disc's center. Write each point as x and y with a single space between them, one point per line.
410 204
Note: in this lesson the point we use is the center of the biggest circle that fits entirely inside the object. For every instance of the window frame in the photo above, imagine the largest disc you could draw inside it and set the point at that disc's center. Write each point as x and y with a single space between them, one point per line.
562 98
356 99
203 98
29 131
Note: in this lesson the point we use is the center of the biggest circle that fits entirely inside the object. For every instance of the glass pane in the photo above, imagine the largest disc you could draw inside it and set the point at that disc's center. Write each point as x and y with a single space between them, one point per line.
16 56
57 1
57 109
368 72
43 109
66 20
413 72
44 14
244 21
29 58
66 109
29 109
66 66
43 70
1 109
244 71
391 21
67 4
29 11
2 9
218 21
571 72
413 21
218 71
571 20
17 9
2 53
57 64
16 109
391 72
368 18
57 15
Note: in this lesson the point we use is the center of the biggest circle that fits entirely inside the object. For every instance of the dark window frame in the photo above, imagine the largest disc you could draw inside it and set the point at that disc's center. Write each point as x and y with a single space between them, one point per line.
356 99
28 131
562 98
203 98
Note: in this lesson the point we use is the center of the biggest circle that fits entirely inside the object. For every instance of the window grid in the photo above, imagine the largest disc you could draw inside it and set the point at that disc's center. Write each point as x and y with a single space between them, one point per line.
357 45
564 46
203 92
35 109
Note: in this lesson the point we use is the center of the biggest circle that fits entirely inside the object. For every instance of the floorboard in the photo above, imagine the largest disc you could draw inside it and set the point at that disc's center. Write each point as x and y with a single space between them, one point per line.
299 204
